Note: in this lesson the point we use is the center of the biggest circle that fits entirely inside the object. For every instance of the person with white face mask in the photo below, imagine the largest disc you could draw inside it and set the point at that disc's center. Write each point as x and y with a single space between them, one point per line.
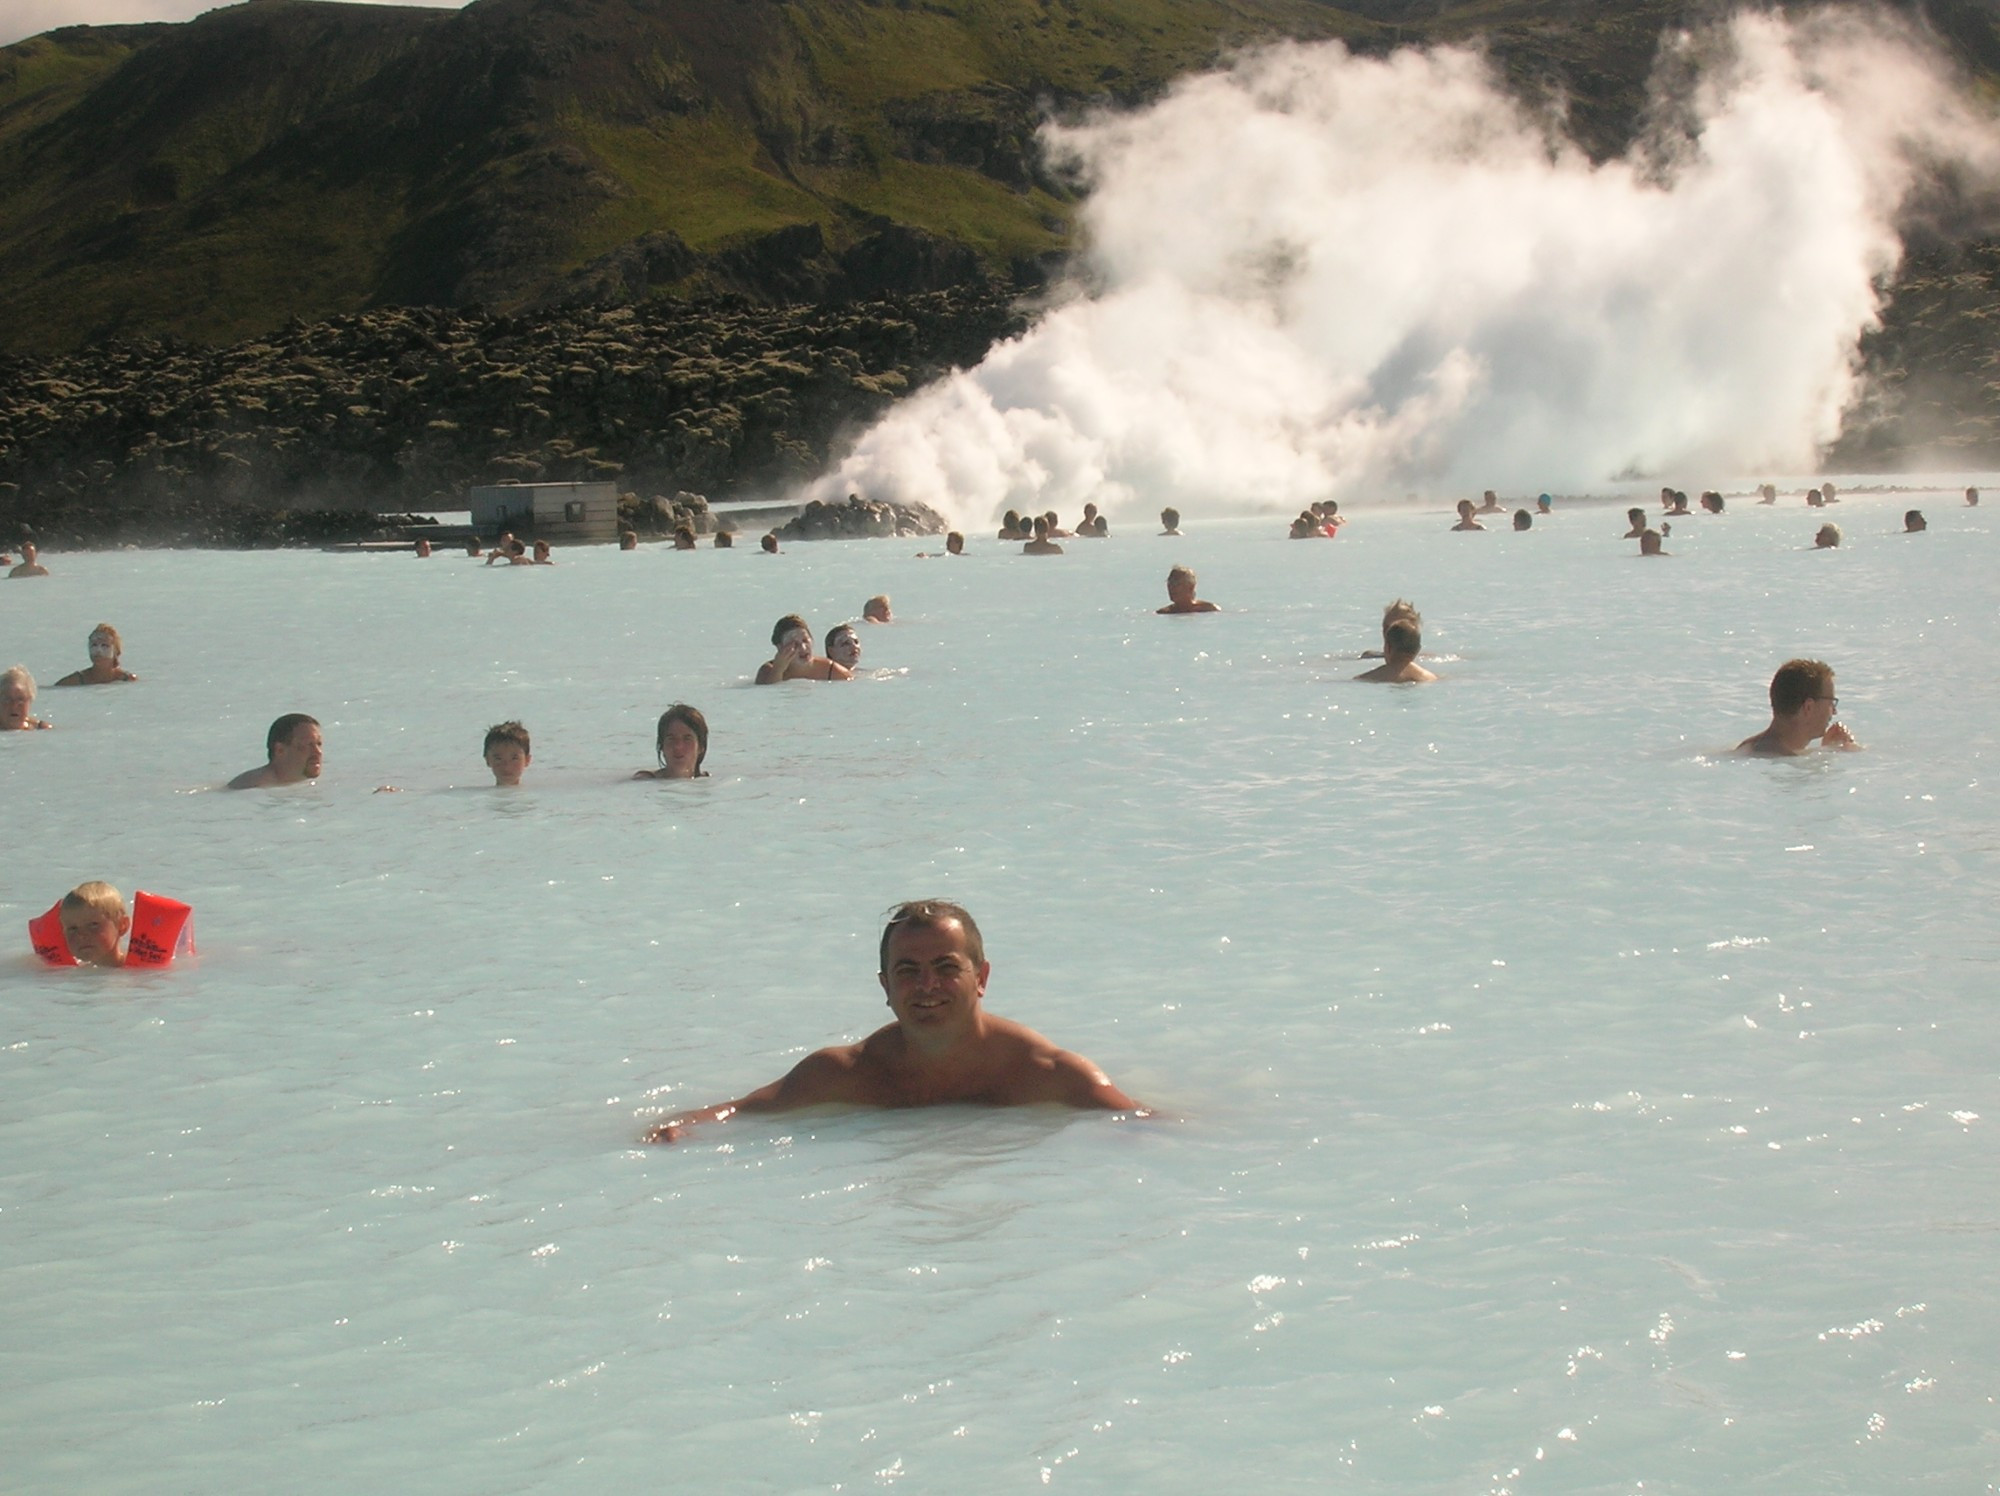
104 669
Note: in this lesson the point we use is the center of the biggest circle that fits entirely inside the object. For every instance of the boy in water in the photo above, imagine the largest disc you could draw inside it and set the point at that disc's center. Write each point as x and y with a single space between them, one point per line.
507 753
94 921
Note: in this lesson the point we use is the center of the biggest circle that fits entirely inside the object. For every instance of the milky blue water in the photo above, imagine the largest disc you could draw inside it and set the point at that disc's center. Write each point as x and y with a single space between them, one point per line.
1555 1102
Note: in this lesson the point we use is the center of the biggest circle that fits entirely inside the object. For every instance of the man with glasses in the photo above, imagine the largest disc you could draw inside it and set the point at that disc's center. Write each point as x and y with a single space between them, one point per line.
1802 710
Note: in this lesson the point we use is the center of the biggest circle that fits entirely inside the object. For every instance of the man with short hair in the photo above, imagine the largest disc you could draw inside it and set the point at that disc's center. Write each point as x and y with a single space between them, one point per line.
29 567
943 1047
1802 708
293 750
1402 642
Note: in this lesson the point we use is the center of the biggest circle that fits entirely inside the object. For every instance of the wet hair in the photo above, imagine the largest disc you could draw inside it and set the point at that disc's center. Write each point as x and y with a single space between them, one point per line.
1523 519
836 631
282 730
684 537
101 897
1171 518
628 540
1401 608
1465 506
1827 536
877 607
18 675
1650 541
1041 527
696 723
1912 517
1797 682
1637 516
918 913
1402 637
506 732
770 541
785 625
954 542
1180 572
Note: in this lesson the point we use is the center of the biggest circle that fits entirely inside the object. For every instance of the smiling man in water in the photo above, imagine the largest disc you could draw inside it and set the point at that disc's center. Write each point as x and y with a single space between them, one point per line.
943 1047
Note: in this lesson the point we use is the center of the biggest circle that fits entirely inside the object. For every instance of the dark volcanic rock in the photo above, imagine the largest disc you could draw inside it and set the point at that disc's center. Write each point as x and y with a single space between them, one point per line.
405 408
859 518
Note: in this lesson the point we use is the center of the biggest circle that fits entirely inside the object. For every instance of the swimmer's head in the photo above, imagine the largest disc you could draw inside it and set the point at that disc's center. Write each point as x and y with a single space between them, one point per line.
676 720
628 540
281 731
1181 585
1041 527
1972 496
843 645
1798 682
954 544
1402 608
770 542
1913 520
507 752
105 643
1170 519
1828 537
1402 640
876 609
1522 519
1465 506
94 921
684 537
1544 503
1650 543
923 913
791 623
726 540
1637 516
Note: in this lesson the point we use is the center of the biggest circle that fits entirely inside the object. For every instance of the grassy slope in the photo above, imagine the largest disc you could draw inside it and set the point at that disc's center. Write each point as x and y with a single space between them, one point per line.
291 158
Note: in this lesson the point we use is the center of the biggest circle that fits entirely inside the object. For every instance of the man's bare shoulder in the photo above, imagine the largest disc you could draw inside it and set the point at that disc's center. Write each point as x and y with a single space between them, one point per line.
1764 745
250 779
1041 1070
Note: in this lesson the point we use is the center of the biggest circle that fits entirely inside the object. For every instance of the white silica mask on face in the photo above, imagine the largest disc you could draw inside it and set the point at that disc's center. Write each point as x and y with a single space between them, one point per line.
102 649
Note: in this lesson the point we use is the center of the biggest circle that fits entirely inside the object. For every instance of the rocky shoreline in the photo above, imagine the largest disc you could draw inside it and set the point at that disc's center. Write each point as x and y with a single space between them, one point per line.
309 434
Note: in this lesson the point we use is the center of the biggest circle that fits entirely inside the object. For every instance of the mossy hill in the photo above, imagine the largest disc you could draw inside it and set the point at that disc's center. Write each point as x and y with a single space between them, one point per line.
207 230
290 158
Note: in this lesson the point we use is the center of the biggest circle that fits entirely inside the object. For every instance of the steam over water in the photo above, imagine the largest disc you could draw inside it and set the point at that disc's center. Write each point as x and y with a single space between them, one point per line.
1315 275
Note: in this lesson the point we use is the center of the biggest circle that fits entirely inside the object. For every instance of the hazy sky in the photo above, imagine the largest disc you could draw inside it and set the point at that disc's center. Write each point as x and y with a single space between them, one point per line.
19 18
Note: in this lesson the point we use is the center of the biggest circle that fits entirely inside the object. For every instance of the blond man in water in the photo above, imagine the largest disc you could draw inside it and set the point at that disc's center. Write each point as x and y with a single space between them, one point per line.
943 1047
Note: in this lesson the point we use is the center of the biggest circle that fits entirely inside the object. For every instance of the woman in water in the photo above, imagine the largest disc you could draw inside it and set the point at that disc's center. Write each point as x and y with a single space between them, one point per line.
681 743
17 701
105 647
795 659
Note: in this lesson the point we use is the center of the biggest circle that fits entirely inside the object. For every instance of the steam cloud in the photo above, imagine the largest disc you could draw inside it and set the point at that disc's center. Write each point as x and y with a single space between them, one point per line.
1315 275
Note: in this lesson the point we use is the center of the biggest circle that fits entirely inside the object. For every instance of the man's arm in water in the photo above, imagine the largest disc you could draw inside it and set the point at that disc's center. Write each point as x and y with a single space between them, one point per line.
827 1075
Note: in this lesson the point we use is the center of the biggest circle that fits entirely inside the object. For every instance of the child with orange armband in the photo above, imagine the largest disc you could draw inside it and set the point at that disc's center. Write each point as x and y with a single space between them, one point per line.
87 925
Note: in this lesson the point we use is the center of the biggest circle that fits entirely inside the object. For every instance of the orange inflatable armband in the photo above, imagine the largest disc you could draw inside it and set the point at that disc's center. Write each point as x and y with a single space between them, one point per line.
47 934
160 927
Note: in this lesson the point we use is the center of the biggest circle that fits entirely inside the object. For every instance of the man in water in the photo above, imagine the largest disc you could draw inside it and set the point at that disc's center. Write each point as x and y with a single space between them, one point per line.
1652 543
1465 519
1913 521
1637 520
293 750
942 1048
1402 642
1181 594
1972 498
1489 503
29 566
1041 545
1802 708
1523 520
1170 522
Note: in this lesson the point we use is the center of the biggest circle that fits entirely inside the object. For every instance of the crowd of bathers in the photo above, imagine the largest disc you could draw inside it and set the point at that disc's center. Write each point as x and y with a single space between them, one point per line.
942 1045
